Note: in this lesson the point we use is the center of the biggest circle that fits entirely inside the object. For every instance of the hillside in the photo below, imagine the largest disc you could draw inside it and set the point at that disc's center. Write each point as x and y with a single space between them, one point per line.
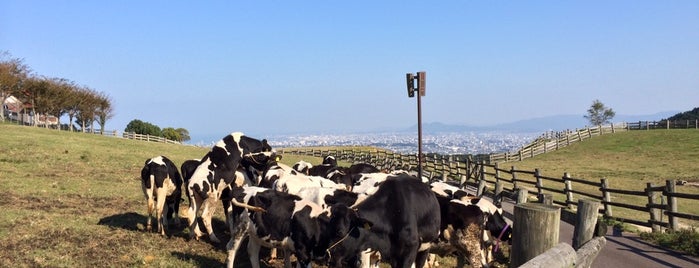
75 200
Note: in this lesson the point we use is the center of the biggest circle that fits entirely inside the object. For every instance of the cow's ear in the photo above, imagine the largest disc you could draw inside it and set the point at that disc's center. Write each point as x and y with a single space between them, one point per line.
359 221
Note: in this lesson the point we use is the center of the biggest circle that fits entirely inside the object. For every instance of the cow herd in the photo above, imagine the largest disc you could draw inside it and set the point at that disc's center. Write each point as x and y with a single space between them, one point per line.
325 214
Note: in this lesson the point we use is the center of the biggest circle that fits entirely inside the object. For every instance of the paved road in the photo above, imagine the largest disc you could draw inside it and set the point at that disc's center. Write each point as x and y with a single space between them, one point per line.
627 250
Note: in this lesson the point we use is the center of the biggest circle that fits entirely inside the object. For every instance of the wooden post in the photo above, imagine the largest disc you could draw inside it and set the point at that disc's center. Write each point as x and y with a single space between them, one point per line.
606 197
612 128
522 195
481 187
497 172
671 204
537 228
568 190
654 212
539 182
546 199
514 177
498 190
585 225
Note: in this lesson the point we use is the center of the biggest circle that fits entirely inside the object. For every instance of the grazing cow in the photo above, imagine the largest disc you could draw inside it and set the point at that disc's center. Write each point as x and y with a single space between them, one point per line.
326 197
162 187
461 230
321 170
216 172
273 172
274 219
349 176
187 168
302 167
468 223
293 183
400 220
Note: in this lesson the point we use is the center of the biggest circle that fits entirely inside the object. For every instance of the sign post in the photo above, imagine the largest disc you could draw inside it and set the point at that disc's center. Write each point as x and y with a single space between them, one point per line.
411 80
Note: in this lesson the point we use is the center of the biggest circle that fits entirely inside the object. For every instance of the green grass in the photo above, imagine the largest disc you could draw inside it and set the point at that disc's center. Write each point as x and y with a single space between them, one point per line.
628 160
75 200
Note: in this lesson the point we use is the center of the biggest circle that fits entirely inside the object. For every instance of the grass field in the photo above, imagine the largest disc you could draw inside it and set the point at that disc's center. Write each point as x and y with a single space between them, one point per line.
629 160
75 200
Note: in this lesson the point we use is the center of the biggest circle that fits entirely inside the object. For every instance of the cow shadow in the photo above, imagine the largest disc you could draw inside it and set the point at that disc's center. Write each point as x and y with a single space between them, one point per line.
242 259
133 221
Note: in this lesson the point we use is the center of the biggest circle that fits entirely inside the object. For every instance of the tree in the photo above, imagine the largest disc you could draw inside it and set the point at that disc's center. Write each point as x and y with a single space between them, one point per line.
12 73
171 134
179 134
184 134
598 114
105 111
87 109
688 115
143 128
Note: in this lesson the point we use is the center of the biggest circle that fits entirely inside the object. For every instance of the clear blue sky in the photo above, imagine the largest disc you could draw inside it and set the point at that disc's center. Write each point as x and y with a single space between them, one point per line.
267 67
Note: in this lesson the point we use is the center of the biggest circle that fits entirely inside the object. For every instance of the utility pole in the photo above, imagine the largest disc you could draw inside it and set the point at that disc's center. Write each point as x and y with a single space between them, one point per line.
421 82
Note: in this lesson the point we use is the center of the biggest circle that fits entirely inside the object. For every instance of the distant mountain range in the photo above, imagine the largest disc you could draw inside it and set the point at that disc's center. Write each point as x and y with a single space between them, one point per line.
541 124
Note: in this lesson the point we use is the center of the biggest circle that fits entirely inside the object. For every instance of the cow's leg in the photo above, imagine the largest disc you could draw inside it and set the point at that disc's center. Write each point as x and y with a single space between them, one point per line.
421 258
238 232
365 258
206 215
194 203
160 209
287 258
254 252
151 207
175 210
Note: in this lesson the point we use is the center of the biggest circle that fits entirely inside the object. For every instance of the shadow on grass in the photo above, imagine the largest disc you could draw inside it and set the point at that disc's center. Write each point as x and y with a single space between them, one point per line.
128 221
133 221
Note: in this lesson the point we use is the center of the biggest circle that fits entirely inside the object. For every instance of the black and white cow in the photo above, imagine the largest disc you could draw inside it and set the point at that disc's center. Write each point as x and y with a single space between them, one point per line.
350 175
162 186
469 224
216 172
293 183
273 172
302 167
274 219
321 170
400 220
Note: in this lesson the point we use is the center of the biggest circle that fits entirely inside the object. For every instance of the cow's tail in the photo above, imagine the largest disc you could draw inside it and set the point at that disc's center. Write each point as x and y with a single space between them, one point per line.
249 207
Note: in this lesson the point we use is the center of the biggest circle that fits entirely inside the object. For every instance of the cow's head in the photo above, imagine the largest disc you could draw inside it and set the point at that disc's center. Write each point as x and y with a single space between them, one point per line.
343 232
257 153
498 227
330 161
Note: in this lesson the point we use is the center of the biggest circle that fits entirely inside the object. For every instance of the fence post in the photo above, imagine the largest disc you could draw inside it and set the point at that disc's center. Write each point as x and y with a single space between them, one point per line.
586 221
514 177
568 190
522 194
546 199
671 204
654 212
613 128
538 227
606 197
539 182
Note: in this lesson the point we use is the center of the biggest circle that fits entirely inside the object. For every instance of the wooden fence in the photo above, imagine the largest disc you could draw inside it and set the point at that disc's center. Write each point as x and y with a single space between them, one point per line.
552 141
493 180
